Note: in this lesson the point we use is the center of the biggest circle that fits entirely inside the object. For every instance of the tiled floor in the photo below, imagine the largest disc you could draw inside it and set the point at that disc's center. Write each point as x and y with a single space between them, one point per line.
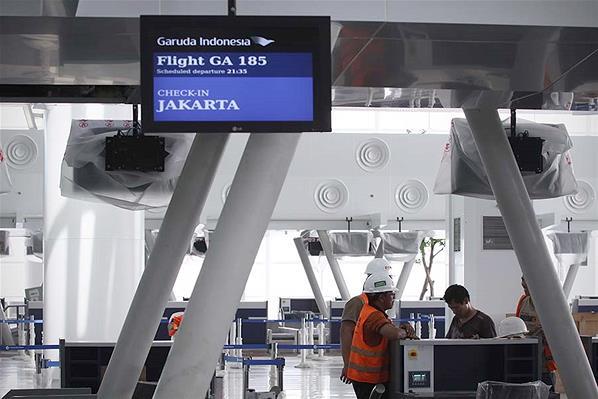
319 381
18 371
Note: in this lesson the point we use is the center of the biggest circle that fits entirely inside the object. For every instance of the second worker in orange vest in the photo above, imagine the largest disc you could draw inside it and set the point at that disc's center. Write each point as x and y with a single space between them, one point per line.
369 360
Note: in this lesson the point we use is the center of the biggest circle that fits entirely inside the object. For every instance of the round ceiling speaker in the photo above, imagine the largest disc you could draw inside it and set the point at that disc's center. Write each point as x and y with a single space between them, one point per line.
584 198
331 195
20 151
372 155
411 196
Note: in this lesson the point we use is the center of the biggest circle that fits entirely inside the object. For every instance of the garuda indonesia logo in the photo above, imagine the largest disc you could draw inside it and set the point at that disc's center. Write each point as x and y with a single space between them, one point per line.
262 41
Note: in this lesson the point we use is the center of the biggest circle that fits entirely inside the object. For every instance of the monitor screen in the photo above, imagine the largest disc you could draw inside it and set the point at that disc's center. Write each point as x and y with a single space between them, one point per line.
235 74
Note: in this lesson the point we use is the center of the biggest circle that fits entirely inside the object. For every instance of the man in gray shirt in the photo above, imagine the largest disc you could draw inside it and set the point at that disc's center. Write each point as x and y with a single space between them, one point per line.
468 321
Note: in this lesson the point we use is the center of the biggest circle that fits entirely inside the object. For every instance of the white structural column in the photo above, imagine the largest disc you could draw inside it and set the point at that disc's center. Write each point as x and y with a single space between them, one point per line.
163 265
219 287
311 277
334 267
404 277
570 279
93 252
531 250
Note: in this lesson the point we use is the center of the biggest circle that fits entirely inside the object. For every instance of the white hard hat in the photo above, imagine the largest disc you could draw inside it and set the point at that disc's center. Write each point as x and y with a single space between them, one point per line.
377 283
378 265
511 327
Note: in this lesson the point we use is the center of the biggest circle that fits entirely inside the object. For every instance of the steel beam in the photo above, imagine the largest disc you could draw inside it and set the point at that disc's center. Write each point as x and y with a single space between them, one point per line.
570 279
532 253
311 277
334 267
404 277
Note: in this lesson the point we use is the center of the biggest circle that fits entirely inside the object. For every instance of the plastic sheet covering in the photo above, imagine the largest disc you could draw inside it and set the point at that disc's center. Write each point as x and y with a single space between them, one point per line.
5 181
502 390
569 248
355 243
83 175
461 171
401 246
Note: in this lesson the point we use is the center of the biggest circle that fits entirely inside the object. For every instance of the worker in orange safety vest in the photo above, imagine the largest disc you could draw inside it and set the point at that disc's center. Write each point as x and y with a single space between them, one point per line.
369 360
527 312
174 323
351 313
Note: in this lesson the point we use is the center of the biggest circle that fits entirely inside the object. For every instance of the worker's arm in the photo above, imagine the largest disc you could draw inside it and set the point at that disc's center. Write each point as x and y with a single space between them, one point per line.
392 332
347 329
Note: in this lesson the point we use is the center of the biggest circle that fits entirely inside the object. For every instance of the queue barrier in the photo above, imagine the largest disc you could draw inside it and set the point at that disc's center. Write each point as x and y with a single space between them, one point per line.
27 347
21 321
255 362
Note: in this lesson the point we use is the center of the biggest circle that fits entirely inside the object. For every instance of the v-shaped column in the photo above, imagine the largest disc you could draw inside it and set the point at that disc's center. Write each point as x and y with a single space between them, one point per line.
239 232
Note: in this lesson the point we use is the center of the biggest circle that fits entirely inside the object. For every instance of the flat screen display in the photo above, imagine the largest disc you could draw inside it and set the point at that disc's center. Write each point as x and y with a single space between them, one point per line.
235 74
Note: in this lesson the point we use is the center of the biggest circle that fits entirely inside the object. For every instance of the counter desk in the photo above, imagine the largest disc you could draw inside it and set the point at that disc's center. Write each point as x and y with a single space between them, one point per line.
458 365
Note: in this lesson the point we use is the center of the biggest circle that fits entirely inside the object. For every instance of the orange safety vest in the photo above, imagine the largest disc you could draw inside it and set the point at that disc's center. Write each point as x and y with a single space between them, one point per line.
175 323
364 298
368 363
549 363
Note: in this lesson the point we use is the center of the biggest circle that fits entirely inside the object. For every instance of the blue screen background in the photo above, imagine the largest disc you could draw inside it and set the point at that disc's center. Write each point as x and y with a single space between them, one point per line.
281 90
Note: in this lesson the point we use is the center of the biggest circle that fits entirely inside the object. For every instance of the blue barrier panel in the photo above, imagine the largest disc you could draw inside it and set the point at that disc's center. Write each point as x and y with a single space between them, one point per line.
21 321
27 347
327 346
255 362
51 363
247 346
250 321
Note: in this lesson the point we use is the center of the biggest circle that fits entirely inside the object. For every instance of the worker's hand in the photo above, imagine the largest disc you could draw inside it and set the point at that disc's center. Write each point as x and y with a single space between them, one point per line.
344 377
410 332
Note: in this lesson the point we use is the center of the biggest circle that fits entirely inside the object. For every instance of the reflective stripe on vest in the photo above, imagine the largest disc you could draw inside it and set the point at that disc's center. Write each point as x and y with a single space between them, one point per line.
368 363
364 298
527 312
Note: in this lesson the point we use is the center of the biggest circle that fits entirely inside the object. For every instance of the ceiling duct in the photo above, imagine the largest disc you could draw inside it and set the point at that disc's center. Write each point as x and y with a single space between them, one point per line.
375 64
39 8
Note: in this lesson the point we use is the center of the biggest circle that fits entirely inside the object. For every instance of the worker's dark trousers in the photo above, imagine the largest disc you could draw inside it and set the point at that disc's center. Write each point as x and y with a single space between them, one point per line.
364 389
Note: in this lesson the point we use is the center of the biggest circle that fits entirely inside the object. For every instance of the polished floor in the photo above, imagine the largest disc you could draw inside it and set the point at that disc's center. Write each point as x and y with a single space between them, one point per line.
319 381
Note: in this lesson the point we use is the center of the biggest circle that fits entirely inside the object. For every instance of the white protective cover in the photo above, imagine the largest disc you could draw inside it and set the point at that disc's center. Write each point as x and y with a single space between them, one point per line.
503 390
462 172
401 246
569 248
83 175
354 243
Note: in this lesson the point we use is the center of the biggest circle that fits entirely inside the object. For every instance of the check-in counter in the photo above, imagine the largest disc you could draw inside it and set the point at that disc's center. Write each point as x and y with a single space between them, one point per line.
585 305
252 333
458 365
83 364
